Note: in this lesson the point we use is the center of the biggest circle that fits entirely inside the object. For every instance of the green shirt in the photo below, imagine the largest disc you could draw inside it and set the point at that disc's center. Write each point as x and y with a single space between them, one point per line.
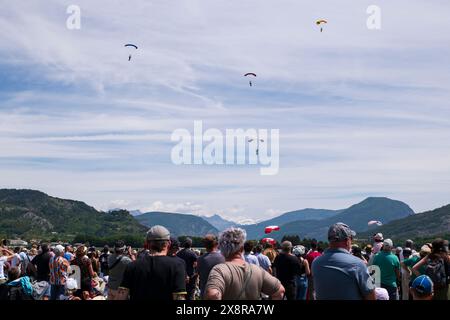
387 262
410 262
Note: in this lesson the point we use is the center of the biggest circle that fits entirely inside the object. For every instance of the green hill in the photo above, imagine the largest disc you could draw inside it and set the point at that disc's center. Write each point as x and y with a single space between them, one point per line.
356 217
255 231
177 223
426 225
33 214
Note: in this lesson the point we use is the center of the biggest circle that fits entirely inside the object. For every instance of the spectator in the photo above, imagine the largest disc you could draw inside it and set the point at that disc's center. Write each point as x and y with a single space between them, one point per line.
389 265
207 261
58 266
154 276
311 256
437 268
264 261
87 273
236 279
103 259
422 288
338 275
68 255
270 252
302 279
248 254
117 263
190 258
286 267
42 263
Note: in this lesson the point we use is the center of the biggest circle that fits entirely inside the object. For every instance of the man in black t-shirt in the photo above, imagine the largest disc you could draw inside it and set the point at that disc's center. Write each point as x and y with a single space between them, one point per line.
155 276
286 266
190 258
42 263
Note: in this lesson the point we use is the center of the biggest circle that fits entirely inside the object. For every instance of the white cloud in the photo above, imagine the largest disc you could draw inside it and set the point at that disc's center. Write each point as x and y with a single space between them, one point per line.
360 112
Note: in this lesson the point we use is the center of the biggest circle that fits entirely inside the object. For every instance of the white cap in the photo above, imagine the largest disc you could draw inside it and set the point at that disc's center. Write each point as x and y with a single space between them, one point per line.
388 243
71 284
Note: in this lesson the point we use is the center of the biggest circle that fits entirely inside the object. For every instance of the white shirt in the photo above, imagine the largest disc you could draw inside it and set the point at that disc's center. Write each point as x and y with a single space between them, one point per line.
3 260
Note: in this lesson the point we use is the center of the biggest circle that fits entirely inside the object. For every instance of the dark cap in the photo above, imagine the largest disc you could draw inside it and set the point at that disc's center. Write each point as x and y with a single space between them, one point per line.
158 233
340 232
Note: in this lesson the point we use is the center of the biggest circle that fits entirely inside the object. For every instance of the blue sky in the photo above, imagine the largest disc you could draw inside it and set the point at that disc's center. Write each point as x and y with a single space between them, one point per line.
360 112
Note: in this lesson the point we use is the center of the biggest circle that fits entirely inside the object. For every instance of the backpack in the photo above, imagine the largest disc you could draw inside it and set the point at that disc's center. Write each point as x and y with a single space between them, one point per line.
436 271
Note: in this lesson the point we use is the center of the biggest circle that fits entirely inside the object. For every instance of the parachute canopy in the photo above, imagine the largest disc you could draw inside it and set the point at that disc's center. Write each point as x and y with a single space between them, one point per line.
250 74
269 240
131 45
374 222
270 229
321 21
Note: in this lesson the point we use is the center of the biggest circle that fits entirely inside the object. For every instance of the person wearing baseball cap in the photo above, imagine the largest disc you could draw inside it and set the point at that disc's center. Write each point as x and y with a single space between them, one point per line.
422 288
337 274
155 276
389 265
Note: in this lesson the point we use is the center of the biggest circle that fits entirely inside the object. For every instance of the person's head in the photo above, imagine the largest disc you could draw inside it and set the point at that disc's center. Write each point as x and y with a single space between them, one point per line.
59 250
286 247
68 248
424 251
340 236
45 248
105 249
368 249
174 247
299 251
398 251
13 274
210 242
81 251
187 243
16 249
422 288
438 247
231 242
313 245
409 243
71 286
356 250
407 253
33 252
119 247
268 245
158 239
248 246
378 237
258 248
388 245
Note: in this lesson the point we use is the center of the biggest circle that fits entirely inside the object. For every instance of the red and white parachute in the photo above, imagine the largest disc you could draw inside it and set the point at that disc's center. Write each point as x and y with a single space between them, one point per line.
374 222
270 229
269 240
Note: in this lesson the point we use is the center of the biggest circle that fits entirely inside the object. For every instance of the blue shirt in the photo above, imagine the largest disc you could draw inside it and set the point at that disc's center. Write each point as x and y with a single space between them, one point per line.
249 258
338 275
264 261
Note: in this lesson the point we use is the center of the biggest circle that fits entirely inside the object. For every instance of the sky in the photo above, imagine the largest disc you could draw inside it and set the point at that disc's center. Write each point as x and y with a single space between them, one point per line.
360 112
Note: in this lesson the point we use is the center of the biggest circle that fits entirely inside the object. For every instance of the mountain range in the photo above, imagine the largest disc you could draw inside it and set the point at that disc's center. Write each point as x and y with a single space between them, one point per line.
33 214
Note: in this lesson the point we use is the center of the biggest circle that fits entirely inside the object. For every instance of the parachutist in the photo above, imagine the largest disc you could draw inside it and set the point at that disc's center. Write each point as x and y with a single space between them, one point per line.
129 57
250 83
257 152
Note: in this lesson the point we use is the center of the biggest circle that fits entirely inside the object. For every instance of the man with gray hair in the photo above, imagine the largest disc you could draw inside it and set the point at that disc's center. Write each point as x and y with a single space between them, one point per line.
236 279
58 272
338 275
155 276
